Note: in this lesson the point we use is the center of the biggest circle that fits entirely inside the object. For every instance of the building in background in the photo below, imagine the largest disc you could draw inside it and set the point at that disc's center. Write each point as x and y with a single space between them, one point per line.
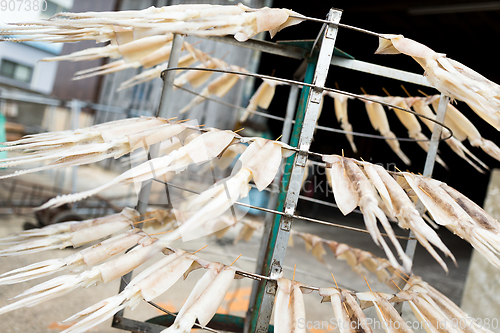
20 65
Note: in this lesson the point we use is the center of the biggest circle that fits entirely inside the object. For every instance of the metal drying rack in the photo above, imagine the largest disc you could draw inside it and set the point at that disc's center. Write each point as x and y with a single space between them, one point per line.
282 203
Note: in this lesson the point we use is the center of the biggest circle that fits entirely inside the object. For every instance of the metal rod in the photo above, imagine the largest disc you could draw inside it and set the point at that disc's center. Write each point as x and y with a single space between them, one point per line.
277 212
143 197
411 245
258 277
299 53
315 86
429 165
164 110
298 217
341 25
264 46
75 124
273 201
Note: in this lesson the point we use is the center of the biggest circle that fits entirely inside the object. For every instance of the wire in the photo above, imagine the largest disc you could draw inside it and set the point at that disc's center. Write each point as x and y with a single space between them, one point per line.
323 128
307 18
361 97
282 213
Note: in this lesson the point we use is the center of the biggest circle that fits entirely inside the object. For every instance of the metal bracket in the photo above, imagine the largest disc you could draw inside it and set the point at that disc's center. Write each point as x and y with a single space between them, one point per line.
286 223
332 33
302 155
317 96
271 288
276 270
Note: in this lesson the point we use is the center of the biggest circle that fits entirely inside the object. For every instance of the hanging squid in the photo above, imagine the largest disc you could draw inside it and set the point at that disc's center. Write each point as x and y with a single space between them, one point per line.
351 188
421 106
90 145
78 261
75 234
262 97
105 272
340 105
289 307
378 119
202 149
205 298
463 129
218 87
411 123
449 77
459 214
197 20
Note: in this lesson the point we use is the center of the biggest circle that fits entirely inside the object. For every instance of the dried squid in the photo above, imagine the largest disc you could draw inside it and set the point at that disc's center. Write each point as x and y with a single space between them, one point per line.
459 214
202 149
205 299
70 234
127 214
76 262
197 20
289 307
262 97
411 123
378 119
389 317
449 77
90 145
147 285
463 129
340 105
105 272
218 87
351 188
404 210
421 106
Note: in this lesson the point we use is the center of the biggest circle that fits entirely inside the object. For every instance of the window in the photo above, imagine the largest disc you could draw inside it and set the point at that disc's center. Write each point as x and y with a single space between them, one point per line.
52 9
16 71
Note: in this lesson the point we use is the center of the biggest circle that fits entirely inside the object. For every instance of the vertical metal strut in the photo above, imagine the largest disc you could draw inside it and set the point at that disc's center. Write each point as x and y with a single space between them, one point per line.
411 245
163 111
305 123
273 201
429 164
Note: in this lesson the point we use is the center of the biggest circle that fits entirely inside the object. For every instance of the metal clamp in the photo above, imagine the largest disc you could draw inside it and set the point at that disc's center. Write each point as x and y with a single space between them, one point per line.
276 270
317 95
271 288
302 155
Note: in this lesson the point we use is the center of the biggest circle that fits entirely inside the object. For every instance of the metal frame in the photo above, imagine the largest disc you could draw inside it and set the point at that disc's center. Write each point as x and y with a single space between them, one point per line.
275 239
277 230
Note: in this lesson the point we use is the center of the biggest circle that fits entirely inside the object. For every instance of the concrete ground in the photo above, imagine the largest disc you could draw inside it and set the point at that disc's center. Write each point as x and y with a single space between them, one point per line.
47 317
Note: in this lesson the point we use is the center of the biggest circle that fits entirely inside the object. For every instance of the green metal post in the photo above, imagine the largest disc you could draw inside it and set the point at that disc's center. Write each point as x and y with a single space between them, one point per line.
299 117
